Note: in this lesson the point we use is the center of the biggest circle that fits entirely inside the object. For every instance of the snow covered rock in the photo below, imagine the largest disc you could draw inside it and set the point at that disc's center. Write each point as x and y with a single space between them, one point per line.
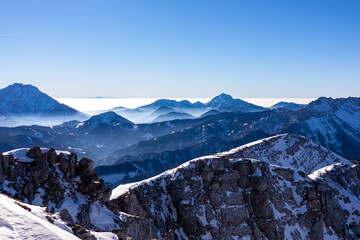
23 221
58 181
227 197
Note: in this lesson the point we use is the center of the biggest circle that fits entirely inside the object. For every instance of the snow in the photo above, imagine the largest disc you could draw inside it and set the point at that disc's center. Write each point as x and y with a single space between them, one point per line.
18 223
20 153
104 235
38 200
121 189
257 173
288 150
352 118
328 236
102 218
207 236
71 205
293 229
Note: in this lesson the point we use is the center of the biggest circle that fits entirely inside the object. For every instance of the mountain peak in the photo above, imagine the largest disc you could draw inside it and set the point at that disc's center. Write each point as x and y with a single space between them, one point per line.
20 88
106 118
28 100
167 103
225 102
224 96
287 105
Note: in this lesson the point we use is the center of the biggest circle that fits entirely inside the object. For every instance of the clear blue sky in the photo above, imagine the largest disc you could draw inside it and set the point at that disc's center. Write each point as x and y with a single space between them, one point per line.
182 48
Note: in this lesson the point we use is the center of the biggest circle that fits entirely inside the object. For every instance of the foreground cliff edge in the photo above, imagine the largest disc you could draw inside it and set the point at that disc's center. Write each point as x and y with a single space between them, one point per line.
294 189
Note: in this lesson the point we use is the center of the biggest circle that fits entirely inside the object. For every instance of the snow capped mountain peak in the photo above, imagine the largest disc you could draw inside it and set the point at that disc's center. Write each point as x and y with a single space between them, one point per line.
225 102
331 105
27 100
106 118
22 87
20 98
322 105
222 98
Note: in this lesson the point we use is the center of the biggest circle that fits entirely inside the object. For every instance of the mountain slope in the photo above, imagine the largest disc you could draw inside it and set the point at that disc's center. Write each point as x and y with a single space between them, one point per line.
335 123
172 116
17 222
107 118
19 100
225 197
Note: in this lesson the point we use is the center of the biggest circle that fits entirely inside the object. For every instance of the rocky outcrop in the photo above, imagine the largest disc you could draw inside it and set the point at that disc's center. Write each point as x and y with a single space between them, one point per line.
224 198
55 180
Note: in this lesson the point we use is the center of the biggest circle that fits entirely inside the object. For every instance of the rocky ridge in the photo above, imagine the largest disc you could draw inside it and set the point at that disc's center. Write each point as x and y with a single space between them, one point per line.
218 197
228 195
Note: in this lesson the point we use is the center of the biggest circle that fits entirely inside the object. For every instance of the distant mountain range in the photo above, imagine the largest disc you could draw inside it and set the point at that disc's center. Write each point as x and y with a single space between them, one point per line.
156 111
331 122
22 104
334 123
225 123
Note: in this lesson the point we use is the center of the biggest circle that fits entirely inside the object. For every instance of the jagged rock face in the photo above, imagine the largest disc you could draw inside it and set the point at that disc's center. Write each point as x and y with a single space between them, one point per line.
57 181
225 198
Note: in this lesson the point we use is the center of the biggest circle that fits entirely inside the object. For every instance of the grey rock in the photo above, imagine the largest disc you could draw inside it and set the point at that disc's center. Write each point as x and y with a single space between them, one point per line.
34 152
82 233
65 215
218 164
40 169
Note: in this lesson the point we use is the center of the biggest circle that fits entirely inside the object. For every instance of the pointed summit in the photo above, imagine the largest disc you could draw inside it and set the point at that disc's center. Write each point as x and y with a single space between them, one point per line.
25 99
225 102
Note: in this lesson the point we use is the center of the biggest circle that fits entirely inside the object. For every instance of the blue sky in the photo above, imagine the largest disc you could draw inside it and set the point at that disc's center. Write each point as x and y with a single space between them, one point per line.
184 48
